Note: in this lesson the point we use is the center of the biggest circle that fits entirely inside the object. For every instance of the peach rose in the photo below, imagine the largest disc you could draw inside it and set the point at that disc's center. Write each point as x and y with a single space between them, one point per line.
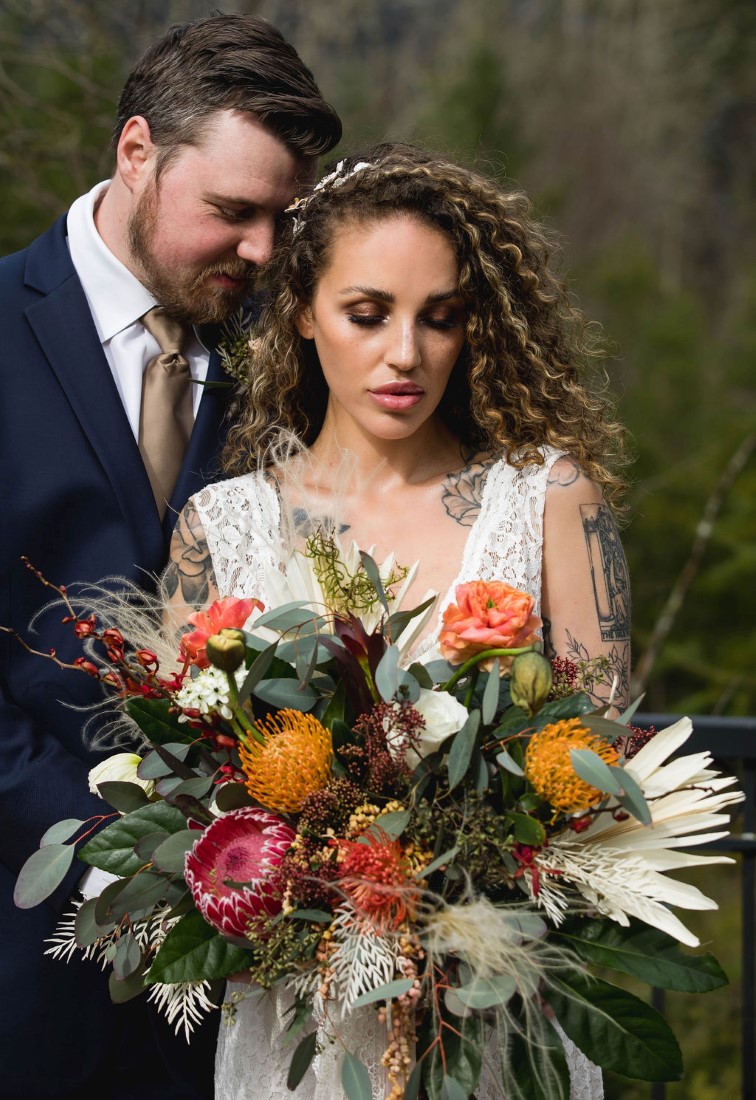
227 612
487 615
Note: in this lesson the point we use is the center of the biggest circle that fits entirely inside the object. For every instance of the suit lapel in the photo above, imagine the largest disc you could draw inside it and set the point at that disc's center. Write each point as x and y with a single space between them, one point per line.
64 328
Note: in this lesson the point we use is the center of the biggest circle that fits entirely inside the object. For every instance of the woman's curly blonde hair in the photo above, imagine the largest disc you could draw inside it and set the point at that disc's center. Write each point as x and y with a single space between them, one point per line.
530 374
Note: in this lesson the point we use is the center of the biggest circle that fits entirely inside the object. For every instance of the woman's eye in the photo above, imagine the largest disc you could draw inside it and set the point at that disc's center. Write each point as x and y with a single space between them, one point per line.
367 319
442 323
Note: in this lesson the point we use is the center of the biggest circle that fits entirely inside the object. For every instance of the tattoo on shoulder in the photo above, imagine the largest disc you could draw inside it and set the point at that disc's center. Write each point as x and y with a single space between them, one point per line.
461 493
565 471
306 524
191 567
611 584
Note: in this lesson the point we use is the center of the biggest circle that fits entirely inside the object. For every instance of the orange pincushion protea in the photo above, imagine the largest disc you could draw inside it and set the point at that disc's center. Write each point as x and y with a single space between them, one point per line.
549 769
294 762
376 874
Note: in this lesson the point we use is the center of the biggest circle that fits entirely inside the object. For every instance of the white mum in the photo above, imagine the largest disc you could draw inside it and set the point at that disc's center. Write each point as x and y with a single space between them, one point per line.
208 692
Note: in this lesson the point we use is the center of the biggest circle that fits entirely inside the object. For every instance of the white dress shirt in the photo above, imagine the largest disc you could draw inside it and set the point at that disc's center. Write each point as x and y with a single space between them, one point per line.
116 301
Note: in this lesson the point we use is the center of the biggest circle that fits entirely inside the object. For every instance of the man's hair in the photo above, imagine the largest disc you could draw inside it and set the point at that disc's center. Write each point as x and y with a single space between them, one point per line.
527 376
226 62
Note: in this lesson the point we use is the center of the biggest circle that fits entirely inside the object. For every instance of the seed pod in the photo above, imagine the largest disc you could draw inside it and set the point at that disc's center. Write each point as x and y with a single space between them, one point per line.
530 681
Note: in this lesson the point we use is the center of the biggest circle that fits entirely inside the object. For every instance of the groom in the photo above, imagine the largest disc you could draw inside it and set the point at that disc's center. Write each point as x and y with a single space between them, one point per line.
103 436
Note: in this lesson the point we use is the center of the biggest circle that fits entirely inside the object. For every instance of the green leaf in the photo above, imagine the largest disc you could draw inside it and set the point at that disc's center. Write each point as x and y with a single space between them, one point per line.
393 823
169 855
440 861
283 693
86 929
384 992
302 1016
490 702
374 576
632 797
539 1066
146 846
527 829
387 674
165 759
125 989
487 992
140 893
420 673
412 1088
318 915
258 668
103 901
461 749
615 1029
231 796
61 831
355 1078
42 874
112 849
505 760
572 707
452 1090
193 951
401 619
646 953
592 769
123 796
156 723
460 1058
602 727
198 786
624 718
290 616
301 1058
128 956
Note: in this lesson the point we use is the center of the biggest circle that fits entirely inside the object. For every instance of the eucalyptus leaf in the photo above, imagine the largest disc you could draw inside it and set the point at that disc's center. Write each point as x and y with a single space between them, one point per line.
452 1090
624 718
282 693
231 796
384 992
632 797
125 989
61 831
615 1029
123 797
301 1058
86 929
399 620
193 951
198 786
420 673
355 1079
128 956
374 576
318 915
289 616
258 668
393 823
146 845
112 849
460 1058
490 701
440 861
505 760
170 853
387 674
141 892
461 749
160 761
602 727
592 769
527 829
572 707
487 992
42 874
539 1066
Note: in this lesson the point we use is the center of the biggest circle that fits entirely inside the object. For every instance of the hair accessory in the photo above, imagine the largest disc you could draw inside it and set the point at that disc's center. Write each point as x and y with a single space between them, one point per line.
333 179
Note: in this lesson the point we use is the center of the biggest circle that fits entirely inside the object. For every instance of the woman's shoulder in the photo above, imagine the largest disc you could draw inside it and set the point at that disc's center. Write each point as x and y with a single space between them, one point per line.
244 495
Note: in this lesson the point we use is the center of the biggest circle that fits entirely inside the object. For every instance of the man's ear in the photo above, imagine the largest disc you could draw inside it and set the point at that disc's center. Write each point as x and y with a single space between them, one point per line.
135 153
305 323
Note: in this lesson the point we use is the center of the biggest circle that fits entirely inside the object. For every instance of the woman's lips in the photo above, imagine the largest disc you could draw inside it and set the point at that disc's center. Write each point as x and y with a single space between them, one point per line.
396 396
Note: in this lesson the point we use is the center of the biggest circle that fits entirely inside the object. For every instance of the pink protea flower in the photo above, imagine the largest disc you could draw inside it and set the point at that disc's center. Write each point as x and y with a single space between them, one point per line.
227 612
245 846
487 615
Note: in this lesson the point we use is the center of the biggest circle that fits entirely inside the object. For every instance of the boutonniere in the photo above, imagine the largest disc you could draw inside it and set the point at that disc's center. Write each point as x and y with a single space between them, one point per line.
237 335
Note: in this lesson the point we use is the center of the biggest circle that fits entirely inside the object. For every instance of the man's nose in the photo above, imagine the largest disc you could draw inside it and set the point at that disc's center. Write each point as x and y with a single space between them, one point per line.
404 352
256 243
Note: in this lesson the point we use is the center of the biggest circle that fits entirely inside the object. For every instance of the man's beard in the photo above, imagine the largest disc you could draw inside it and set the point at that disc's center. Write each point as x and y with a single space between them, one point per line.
188 297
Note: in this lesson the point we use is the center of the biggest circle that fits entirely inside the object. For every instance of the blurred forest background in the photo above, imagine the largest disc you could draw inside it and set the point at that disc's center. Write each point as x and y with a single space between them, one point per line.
632 125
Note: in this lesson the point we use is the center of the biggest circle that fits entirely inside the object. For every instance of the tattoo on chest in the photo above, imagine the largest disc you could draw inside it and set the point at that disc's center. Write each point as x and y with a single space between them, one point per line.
461 493
306 524
611 587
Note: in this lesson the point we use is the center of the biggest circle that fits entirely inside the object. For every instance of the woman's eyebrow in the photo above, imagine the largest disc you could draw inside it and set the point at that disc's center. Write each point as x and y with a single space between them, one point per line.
389 298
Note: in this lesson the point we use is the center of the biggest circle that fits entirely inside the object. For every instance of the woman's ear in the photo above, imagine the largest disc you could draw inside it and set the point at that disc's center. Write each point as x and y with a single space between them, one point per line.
304 322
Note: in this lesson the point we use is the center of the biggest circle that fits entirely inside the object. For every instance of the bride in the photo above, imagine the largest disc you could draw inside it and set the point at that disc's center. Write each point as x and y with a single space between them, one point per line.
432 366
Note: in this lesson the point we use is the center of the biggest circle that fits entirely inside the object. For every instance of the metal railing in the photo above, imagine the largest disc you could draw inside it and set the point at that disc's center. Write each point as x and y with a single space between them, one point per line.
732 743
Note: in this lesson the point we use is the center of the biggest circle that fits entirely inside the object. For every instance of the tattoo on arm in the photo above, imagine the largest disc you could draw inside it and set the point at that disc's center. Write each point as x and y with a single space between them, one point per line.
599 673
611 587
461 493
564 472
549 650
190 569
306 525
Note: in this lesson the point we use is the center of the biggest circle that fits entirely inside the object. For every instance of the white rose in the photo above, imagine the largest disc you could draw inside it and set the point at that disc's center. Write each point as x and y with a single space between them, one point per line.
121 768
443 715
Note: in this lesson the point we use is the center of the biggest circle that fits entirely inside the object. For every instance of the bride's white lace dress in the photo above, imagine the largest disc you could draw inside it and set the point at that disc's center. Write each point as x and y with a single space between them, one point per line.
243 524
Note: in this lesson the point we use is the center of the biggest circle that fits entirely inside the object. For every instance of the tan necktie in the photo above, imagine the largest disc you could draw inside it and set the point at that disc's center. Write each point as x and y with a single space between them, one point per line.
167 417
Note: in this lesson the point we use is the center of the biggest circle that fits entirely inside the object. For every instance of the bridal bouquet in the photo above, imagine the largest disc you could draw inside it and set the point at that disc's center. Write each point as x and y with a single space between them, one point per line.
452 844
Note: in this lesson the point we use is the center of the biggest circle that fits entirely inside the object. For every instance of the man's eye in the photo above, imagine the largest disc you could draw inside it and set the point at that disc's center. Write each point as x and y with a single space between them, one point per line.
235 215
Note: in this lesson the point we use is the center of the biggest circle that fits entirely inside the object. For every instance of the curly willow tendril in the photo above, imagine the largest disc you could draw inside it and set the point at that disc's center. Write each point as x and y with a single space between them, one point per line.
345 592
531 373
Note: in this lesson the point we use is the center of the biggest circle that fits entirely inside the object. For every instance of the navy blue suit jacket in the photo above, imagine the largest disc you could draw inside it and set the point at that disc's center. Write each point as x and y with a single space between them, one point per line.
76 500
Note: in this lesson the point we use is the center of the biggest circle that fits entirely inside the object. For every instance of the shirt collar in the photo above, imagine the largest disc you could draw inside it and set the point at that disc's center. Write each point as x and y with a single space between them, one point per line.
116 297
